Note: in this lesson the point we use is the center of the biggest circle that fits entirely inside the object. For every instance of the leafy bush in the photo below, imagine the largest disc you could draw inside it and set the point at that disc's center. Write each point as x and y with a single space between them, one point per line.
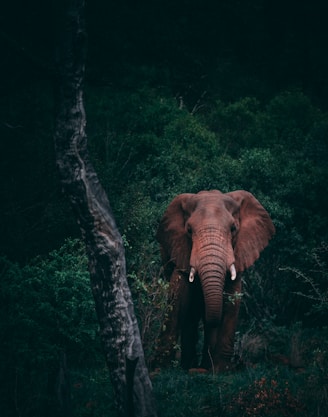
313 282
266 397
150 294
92 392
46 310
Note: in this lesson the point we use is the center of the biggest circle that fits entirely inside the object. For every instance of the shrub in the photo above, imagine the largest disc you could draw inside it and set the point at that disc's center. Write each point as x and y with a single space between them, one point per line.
150 295
47 310
314 282
266 397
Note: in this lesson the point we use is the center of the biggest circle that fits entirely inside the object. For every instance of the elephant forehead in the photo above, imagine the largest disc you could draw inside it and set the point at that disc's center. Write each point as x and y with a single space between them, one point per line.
208 201
210 205
211 216
208 195
210 222
215 198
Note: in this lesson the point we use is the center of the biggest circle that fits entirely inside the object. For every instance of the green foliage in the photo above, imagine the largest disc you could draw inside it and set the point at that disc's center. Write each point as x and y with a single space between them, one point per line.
92 393
262 390
46 308
237 125
125 129
313 282
180 394
150 295
266 398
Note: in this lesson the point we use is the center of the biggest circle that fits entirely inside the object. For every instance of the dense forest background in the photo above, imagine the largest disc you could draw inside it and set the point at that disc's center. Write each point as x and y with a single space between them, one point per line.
180 96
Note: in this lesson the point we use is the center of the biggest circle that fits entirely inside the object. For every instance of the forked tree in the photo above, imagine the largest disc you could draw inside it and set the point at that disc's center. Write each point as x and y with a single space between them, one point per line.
118 325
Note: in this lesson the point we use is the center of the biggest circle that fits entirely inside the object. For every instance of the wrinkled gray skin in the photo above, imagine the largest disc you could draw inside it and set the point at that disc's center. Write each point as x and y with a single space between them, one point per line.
207 240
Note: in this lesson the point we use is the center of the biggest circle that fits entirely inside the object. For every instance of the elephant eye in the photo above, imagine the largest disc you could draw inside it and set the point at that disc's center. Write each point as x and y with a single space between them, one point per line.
233 228
189 230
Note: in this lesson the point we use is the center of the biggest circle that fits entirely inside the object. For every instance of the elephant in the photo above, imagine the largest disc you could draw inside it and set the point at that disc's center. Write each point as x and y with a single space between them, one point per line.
206 241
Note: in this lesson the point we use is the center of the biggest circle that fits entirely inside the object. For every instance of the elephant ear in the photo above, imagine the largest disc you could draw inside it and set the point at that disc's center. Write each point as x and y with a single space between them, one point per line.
255 229
175 242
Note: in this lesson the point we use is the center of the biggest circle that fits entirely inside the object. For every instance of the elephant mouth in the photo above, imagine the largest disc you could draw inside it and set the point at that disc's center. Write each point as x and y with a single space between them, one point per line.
233 273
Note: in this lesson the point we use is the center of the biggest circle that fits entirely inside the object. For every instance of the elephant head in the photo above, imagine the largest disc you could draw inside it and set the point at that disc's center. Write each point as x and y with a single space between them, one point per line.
213 236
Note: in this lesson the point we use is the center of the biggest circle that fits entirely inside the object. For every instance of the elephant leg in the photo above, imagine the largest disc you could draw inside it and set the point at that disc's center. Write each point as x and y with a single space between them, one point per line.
210 338
190 316
189 338
224 349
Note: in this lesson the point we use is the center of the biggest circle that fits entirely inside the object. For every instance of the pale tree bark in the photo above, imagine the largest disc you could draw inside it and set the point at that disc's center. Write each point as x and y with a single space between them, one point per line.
118 325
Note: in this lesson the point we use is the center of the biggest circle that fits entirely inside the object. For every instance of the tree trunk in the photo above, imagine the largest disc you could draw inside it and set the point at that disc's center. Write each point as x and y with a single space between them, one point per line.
118 324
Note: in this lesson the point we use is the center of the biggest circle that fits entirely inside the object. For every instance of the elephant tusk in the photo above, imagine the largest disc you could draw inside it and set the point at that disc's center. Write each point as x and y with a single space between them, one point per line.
233 272
192 274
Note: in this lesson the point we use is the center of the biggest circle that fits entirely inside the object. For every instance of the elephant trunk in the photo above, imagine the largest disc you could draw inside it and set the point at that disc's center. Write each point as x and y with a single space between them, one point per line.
212 284
212 267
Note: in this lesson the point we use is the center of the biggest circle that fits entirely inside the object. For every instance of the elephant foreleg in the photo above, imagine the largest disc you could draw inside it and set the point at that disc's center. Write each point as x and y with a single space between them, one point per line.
192 305
226 333
189 337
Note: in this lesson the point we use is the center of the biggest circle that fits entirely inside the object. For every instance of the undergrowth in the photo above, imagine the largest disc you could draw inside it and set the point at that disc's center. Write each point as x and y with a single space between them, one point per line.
265 390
